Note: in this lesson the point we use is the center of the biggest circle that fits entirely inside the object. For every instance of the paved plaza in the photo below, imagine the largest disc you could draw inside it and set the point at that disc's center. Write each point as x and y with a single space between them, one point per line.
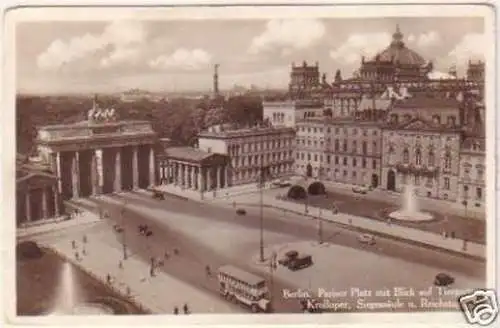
158 294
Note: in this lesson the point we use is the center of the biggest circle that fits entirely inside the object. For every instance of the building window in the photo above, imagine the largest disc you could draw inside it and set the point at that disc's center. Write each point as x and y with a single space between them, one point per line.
431 158
429 182
337 130
363 163
374 164
374 147
447 183
418 157
328 159
355 131
479 193
298 156
344 146
336 160
406 156
354 162
353 174
447 161
308 156
315 157
345 160
354 145
337 145
417 180
480 174
364 147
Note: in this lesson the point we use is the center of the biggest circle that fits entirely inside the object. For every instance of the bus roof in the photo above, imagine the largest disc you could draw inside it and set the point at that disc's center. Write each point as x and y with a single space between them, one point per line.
241 275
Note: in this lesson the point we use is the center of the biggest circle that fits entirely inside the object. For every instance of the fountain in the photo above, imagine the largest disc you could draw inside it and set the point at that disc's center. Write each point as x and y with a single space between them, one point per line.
410 210
68 298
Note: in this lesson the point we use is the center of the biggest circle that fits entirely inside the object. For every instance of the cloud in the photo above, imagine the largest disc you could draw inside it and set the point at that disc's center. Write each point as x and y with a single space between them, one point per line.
287 35
428 39
357 45
121 36
183 59
470 47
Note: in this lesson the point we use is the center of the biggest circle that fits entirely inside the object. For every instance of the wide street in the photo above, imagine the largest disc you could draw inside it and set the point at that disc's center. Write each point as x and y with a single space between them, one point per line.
208 234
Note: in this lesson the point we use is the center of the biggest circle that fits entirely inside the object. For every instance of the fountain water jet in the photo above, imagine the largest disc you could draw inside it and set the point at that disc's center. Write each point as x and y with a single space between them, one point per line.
410 210
68 299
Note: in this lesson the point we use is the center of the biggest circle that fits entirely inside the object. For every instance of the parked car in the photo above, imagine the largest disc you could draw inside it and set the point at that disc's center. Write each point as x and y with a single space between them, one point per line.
300 262
241 211
290 255
118 228
366 238
158 195
361 189
443 279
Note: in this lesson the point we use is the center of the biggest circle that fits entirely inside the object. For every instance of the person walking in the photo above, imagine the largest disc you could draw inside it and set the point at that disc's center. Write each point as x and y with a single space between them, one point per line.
176 310
84 239
120 265
73 244
185 308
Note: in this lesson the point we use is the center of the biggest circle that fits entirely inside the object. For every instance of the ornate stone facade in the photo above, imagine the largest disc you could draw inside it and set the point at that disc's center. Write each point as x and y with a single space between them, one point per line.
99 156
250 149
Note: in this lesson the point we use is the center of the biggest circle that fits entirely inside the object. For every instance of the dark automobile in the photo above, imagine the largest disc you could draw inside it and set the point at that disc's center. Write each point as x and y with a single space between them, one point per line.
158 195
443 279
241 211
300 262
289 256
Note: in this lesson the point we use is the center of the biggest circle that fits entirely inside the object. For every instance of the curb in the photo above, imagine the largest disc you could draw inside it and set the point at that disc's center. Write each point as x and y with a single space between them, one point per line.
374 232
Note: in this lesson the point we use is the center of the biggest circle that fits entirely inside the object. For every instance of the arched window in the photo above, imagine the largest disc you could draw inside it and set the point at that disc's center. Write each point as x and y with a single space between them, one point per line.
418 157
431 158
406 156
447 161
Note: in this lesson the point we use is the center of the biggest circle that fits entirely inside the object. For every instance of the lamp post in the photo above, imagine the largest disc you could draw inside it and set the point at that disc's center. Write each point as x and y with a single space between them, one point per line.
264 174
124 243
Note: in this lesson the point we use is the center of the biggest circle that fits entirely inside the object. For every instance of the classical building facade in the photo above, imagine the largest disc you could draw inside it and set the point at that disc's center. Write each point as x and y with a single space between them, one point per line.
286 113
250 149
421 145
303 80
37 197
195 169
472 182
100 155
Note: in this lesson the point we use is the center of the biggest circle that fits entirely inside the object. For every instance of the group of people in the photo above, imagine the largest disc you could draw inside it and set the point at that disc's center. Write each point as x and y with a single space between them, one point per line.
75 247
185 309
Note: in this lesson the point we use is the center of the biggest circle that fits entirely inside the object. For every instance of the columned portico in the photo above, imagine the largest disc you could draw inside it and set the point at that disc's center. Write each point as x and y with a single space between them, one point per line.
135 168
196 170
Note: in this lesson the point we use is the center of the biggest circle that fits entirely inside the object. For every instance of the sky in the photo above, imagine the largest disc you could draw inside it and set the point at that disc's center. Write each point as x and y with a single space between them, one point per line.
113 56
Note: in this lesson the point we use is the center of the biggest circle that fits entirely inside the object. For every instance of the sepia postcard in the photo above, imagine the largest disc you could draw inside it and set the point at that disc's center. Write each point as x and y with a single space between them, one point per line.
328 164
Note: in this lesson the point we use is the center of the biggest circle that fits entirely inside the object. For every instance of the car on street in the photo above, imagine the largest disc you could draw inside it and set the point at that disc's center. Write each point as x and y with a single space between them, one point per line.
241 211
289 256
361 189
366 238
118 228
300 262
443 279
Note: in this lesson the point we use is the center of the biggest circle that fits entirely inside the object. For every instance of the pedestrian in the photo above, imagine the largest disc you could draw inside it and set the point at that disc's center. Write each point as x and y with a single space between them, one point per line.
84 239
176 310
108 278
185 308
208 271
120 265
152 272
73 244
128 291
166 255
84 251
77 256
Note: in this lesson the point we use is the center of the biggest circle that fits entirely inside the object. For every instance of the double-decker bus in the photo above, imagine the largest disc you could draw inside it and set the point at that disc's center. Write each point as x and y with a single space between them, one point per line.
243 287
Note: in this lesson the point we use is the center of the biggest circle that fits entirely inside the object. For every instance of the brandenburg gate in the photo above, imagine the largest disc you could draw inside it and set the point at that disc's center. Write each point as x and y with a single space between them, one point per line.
100 155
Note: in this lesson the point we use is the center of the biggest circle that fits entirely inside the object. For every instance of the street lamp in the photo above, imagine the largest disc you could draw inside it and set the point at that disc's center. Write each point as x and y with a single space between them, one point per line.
264 174
122 217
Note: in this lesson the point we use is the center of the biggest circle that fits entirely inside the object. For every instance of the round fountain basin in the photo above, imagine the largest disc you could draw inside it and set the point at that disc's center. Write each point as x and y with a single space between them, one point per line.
411 216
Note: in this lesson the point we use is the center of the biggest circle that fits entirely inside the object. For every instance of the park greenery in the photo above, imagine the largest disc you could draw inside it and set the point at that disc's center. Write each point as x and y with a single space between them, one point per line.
179 119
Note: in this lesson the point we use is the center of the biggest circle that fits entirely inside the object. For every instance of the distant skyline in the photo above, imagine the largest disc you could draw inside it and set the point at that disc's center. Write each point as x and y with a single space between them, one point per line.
174 56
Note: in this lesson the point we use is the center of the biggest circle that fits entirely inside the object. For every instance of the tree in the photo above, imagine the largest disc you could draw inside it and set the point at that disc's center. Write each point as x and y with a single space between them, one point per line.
215 116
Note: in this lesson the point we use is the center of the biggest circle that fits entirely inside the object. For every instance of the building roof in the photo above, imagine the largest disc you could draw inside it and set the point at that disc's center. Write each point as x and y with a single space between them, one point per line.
426 102
188 153
218 133
397 52
241 274
367 103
